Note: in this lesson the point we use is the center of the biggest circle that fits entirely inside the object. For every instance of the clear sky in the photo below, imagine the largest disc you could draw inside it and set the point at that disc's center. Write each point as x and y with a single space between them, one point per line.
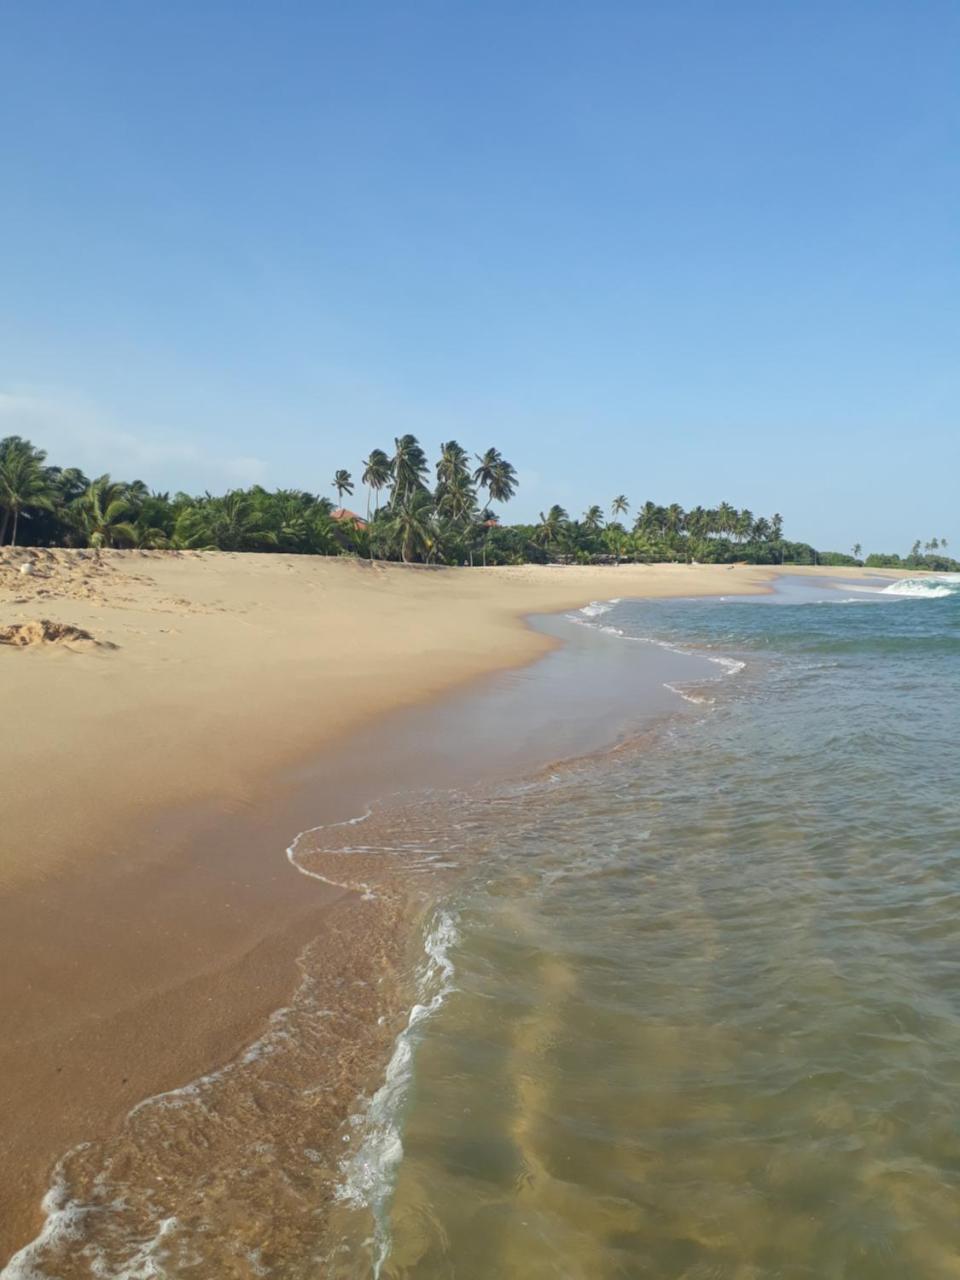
683 249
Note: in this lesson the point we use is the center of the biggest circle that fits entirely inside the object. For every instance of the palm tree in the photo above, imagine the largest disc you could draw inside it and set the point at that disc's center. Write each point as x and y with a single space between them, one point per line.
231 523
343 483
69 483
409 467
726 518
499 478
593 519
483 475
673 518
102 513
616 540
411 525
619 506
697 522
24 484
496 475
456 499
452 464
377 470
857 550
649 518
551 526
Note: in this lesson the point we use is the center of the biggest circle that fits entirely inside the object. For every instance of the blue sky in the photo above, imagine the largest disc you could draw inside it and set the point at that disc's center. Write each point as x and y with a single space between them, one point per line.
690 251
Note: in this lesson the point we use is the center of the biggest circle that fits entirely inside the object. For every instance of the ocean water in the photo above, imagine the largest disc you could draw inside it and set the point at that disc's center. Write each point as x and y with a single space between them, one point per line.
686 1006
694 1009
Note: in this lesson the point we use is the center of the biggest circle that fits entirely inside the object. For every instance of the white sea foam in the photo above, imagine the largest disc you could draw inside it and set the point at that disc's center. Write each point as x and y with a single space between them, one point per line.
64 1217
730 665
931 587
922 588
688 695
363 888
369 1173
63 1222
63 1227
597 608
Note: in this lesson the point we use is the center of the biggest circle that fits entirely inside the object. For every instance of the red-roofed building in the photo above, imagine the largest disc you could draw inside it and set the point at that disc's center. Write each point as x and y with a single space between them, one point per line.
351 517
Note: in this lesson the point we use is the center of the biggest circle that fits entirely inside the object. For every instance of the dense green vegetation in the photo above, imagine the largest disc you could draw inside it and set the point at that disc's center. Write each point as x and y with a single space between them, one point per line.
413 512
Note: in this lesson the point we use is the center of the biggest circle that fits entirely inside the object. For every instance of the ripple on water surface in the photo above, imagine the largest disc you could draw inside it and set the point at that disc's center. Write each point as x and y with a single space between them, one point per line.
706 1008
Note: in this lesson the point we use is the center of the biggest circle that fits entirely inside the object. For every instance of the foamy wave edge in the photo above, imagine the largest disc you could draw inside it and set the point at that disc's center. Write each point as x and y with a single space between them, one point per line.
360 887
584 617
369 1173
932 587
64 1216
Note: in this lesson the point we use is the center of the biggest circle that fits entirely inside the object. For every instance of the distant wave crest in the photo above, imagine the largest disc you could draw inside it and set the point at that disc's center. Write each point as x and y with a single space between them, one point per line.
930 587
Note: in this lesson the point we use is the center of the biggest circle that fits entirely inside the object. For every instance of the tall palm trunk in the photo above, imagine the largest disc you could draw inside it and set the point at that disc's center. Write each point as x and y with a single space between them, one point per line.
16 521
3 525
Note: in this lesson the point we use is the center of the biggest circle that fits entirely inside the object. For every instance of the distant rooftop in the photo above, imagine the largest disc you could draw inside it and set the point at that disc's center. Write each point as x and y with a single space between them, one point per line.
343 513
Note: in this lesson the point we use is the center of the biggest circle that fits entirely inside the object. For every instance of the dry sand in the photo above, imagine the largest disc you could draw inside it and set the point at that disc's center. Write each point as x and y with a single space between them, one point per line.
151 702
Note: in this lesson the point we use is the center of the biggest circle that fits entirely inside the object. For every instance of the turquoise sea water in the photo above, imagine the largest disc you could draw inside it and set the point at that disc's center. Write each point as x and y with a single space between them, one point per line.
694 1008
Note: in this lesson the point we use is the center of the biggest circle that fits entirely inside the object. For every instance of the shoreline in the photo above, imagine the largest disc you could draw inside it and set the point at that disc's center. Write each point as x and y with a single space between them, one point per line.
242 978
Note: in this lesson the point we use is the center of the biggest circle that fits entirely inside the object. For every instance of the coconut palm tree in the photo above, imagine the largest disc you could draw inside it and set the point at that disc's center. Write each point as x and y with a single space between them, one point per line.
377 470
24 484
673 518
409 467
231 523
593 519
343 483
697 522
857 551
499 478
496 475
102 513
617 540
452 464
411 525
483 475
550 529
726 519
649 519
619 506
456 498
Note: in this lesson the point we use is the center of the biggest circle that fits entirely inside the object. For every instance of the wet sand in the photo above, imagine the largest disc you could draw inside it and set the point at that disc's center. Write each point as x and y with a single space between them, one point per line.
155 943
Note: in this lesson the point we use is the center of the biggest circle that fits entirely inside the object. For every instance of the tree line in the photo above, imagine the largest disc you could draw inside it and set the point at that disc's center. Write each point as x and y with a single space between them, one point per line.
446 512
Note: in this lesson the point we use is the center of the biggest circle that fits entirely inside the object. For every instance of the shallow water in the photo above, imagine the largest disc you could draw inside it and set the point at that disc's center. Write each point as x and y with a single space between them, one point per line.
702 1014
686 1008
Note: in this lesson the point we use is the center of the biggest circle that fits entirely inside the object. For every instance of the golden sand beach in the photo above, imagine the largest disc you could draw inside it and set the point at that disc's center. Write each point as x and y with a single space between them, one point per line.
155 707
